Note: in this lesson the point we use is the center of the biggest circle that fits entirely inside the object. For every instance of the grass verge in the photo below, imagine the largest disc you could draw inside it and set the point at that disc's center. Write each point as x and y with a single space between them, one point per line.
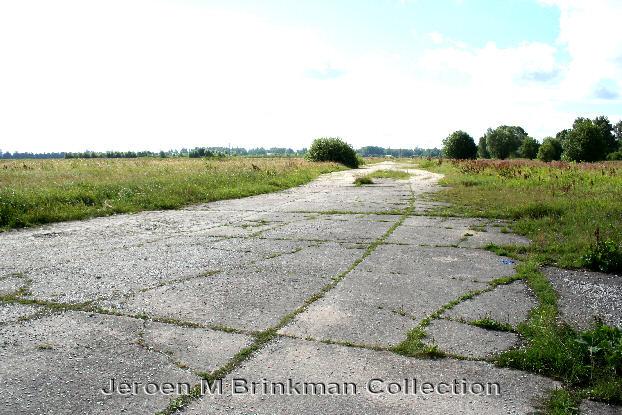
572 213
589 363
34 192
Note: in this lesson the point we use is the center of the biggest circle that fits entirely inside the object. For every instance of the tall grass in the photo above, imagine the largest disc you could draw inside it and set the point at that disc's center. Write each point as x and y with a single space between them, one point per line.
563 207
35 192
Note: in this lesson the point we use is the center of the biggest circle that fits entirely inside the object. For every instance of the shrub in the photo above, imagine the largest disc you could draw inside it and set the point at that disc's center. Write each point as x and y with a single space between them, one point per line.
333 149
459 145
529 148
605 256
584 142
616 155
504 141
363 180
550 150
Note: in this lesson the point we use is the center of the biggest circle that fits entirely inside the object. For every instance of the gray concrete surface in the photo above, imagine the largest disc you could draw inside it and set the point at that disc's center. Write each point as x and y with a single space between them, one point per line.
597 408
304 361
468 341
509 304
168 296
60 365
585 297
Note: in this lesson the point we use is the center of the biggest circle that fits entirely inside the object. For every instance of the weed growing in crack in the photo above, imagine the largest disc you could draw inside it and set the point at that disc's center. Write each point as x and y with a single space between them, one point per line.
490 324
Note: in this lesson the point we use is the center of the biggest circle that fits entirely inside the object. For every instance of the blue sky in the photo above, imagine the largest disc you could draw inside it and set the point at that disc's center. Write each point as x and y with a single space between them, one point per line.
392 23
159 74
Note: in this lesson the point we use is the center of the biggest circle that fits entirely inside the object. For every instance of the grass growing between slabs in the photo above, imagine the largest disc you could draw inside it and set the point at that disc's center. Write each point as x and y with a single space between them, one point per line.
573 215
589 363
34 192
381 174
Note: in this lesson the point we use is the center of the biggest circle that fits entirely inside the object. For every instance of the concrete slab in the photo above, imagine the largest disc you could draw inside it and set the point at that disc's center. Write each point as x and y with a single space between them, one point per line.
450 231
351 321
60 365
509 303
10 284
427 236
350 228
468 341
394 289
201 350
262 248
255 298
494 235
586 296
446 263
10 313
505 391
122 272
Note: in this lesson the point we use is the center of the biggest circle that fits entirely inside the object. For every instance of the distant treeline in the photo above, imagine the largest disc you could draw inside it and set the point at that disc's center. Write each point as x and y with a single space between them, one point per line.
200 152
375 151
196 152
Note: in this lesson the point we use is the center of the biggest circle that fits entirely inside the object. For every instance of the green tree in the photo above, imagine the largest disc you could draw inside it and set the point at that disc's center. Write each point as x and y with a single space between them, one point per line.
372 151
459 145
617 132
550 150
504 141
584 142
606 130
333 149
562 136
482 150
529 148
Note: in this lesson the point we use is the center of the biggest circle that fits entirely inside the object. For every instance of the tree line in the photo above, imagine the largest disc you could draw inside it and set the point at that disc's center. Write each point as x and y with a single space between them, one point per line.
200 152
196 152
588 140
375 151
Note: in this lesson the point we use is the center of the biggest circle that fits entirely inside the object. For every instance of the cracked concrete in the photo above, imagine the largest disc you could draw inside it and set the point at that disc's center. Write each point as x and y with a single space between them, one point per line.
586 297
510 303
304 361
469 341
169 296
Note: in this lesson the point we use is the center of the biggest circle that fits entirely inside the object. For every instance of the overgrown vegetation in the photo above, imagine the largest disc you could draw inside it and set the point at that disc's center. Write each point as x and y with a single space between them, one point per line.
35 192
362 180
389 174
333 149
604 256
573 213
381 174
557 205
589 363
490 324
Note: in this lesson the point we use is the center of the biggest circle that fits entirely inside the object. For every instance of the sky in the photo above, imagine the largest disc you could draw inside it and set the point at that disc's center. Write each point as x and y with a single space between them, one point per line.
161 74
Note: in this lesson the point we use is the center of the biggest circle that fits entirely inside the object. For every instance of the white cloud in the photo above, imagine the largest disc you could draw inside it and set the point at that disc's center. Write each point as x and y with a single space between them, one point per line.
592 33
134 74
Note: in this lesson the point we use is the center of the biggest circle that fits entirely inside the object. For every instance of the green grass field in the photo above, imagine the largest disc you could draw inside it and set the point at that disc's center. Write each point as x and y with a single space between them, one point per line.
562 207
573 215
34 192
